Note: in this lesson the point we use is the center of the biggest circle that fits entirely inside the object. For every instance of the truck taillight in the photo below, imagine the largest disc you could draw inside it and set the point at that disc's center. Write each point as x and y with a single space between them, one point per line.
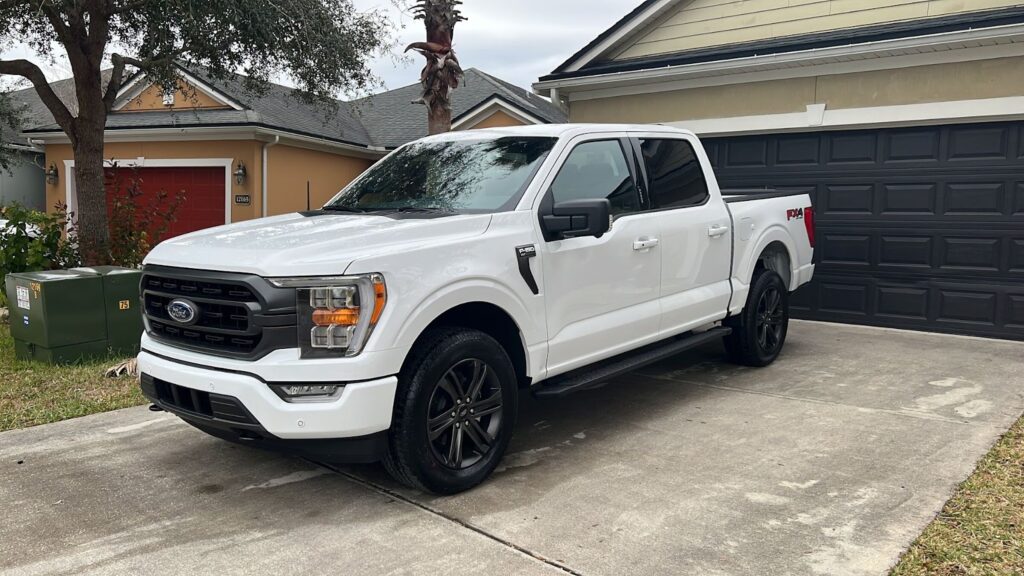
809 224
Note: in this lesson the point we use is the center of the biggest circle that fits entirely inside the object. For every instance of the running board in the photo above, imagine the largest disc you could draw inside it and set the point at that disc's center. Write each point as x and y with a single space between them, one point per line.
592 376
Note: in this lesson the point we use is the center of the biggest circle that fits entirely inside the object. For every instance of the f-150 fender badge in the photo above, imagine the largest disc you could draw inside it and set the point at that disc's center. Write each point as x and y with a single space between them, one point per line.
795 214
523 256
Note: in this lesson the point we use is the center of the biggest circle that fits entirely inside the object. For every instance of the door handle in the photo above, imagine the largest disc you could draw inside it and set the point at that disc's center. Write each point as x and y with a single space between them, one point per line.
717 230
642 244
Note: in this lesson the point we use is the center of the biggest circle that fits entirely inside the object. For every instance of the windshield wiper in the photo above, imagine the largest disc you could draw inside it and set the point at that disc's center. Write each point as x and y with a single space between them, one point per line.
422 209
335 208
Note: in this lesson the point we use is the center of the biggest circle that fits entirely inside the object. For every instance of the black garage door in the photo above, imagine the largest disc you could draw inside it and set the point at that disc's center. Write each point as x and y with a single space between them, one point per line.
919 228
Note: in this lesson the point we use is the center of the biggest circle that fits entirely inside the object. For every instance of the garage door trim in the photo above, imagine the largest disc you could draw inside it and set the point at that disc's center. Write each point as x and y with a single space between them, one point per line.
71 191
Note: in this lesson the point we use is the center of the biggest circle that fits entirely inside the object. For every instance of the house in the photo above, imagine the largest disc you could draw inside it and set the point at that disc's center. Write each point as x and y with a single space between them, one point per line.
240 156
904 119
23 181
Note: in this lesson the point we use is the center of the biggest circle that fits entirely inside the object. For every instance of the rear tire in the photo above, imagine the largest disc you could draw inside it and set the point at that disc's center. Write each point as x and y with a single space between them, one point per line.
759 331
454 411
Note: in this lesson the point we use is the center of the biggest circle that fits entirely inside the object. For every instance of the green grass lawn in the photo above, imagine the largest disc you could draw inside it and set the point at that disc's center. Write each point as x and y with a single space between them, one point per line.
32 393
981 530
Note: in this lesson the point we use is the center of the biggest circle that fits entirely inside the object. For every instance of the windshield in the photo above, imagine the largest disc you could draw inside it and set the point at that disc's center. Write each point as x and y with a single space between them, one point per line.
473 176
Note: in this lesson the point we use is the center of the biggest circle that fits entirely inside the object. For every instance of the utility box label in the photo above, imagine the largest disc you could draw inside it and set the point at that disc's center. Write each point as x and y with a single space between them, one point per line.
124 304
23 301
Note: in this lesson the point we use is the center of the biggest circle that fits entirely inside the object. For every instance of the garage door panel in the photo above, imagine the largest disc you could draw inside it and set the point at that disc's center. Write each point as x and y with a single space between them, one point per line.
958 306
904 146
919 227
903 302
980 143
900 200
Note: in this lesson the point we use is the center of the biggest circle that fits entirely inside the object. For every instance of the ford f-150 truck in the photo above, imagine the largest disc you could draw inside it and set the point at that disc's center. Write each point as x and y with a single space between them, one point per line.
400 321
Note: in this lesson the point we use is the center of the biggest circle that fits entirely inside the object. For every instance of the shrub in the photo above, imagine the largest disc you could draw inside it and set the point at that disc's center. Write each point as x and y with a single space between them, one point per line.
33 240
137 222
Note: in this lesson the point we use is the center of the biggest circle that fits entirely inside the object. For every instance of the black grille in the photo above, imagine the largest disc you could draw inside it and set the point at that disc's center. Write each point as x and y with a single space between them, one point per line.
223 323
212 314
204 338
198 289
197 402
237 315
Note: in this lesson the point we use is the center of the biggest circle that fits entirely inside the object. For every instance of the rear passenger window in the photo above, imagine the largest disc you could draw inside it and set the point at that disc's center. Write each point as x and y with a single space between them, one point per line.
597 170
675 174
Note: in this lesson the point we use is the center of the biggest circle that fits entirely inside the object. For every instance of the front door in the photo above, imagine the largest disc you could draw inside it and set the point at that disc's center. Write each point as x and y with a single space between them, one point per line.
601 293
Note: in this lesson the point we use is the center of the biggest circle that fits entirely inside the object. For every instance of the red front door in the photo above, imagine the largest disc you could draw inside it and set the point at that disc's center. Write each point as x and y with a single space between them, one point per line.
202 188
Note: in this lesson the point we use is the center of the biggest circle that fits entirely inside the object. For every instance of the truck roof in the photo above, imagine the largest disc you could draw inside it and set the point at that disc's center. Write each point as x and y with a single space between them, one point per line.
556 130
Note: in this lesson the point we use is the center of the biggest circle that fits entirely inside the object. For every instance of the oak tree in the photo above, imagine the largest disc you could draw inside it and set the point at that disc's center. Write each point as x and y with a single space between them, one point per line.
323 46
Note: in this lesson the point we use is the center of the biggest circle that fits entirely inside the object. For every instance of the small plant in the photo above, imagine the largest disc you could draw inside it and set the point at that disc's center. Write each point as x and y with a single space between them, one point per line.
137 223
34 240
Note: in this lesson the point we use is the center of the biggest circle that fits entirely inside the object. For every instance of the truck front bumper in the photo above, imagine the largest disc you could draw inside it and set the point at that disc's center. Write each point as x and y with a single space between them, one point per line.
240 406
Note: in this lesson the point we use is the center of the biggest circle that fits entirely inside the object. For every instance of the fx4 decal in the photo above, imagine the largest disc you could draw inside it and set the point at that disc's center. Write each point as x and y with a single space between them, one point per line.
795 214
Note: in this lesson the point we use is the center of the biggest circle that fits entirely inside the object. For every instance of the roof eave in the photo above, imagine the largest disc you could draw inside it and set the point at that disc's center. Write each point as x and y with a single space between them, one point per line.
946 41
986 19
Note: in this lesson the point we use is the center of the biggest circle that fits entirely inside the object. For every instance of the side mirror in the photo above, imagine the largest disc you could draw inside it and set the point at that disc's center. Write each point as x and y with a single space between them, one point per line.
575 218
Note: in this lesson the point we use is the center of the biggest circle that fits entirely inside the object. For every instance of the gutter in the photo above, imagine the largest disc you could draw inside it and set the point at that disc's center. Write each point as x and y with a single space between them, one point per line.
264 170
721 62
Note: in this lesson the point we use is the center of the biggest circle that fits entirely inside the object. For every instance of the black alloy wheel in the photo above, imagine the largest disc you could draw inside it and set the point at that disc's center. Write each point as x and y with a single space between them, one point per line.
464 414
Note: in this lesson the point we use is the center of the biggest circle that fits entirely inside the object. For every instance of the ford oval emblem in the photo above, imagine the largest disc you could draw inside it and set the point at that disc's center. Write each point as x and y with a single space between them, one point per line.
182 311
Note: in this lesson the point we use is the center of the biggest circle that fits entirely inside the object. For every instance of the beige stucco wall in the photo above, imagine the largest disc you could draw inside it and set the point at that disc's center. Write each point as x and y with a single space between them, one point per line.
246 151
498 119
289 168
705 23
186 98
942 82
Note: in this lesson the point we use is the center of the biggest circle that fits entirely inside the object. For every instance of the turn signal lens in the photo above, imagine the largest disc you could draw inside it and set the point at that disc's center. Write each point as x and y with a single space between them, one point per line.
342 317
380 294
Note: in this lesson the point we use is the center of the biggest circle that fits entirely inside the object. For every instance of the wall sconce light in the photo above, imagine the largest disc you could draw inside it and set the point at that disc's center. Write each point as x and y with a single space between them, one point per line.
240 173
52 174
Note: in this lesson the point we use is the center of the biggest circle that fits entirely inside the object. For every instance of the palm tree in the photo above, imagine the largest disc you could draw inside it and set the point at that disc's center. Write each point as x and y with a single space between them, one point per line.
442 72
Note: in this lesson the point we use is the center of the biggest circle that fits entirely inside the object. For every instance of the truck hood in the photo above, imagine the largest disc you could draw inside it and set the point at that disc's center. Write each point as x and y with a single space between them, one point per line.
300 245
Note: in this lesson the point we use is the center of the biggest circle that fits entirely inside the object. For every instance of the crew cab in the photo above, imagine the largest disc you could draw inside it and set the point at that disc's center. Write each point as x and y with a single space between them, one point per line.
401 321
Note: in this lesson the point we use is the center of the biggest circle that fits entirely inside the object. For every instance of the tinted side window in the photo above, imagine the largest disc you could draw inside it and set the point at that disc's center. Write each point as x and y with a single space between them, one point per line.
675 174
597 170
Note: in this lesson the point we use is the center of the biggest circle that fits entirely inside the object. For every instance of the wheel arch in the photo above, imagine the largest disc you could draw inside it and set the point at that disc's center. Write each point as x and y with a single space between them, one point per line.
774 250
776 257
492 320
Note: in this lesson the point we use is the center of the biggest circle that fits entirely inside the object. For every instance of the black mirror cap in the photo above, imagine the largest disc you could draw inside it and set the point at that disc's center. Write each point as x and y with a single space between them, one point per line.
576 218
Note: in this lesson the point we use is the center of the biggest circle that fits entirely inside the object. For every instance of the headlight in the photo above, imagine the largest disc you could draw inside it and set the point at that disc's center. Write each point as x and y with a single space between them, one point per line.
336 314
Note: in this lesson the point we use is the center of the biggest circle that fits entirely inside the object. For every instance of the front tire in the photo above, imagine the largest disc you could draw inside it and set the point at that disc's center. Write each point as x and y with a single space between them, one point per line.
454 412
759 331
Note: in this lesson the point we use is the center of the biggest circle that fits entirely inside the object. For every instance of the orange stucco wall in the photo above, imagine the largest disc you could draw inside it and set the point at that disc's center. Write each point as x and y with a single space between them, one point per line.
186 98
248 152
290 168
497 120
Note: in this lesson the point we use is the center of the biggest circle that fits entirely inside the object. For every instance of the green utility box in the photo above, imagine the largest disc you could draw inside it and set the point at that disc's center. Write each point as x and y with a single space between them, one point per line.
57 316
121 302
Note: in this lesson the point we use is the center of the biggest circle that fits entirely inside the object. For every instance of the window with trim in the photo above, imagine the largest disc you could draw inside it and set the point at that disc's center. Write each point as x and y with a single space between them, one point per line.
597 170
674 173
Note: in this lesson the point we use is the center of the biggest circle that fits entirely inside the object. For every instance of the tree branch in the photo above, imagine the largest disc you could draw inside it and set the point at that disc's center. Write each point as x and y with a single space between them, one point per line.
33 74
114 84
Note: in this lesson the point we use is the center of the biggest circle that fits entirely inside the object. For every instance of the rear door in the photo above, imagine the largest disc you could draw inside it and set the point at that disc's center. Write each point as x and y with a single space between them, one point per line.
680 194
601 293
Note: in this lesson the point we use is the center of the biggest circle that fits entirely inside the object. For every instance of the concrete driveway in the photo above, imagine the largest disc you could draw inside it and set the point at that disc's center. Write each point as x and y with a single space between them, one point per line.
829 462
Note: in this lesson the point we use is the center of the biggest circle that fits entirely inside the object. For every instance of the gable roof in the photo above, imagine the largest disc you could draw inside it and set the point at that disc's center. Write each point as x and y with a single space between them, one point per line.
588 61
35 113
385 120
392 119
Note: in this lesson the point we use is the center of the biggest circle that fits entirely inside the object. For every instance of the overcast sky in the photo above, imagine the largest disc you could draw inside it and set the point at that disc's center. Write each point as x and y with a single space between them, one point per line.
516 40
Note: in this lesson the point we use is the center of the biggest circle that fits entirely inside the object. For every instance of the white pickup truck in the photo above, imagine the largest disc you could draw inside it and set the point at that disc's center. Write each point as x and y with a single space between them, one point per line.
401 320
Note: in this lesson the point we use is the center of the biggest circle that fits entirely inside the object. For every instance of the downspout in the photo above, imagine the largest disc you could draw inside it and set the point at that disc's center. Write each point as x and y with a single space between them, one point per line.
266 146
